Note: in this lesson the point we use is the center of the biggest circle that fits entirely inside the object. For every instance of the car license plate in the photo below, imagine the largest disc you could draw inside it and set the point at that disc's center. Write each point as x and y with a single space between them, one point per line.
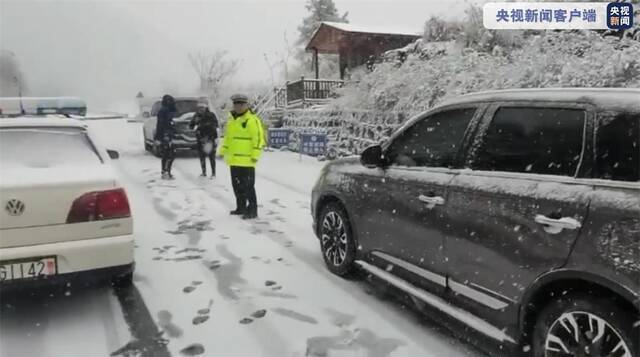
28 268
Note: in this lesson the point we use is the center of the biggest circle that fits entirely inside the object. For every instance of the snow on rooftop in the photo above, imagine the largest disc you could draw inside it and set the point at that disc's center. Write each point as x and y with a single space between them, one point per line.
377 29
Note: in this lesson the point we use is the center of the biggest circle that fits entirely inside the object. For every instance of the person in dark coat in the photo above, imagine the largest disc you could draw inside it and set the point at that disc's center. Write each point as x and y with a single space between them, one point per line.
206 126
165 133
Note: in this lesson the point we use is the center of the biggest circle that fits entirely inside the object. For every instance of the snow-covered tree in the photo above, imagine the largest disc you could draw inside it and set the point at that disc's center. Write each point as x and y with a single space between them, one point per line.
437 29
213 69
319 10
12 82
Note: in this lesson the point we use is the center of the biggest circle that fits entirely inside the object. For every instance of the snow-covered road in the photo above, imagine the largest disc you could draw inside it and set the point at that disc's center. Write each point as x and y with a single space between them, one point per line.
227 286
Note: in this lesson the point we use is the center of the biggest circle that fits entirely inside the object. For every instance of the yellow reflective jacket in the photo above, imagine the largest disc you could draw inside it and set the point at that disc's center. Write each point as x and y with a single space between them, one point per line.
243 140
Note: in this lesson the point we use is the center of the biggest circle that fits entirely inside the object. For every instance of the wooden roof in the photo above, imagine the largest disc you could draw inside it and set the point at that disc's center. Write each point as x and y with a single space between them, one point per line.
330 36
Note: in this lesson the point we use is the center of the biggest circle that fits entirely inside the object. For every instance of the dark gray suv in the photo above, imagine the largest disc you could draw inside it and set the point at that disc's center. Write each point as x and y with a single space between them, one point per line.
516 212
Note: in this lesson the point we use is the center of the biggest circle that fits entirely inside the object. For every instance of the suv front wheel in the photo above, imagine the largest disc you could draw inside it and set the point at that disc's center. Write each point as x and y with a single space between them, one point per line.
581 326
336 240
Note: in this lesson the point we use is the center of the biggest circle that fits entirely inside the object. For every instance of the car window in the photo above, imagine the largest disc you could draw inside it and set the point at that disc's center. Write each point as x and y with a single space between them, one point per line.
618 147
45 147
186 106
155 108
537 140
433 141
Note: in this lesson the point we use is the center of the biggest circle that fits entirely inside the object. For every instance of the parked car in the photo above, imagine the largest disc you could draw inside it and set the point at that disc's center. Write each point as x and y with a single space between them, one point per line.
516 212
65 217
186 137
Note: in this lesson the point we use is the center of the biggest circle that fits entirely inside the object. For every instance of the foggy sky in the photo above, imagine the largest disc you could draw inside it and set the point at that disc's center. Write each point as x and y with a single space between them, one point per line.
107 51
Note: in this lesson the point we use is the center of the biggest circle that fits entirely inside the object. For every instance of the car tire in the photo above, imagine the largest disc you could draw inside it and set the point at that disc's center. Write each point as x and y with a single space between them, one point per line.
588 312
337 242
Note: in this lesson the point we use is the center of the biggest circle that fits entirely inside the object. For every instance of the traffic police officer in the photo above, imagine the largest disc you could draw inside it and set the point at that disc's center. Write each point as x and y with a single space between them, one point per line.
241 148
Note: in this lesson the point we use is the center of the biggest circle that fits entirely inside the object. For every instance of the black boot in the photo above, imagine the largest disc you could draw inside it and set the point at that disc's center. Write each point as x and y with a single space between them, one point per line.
237 212
250 215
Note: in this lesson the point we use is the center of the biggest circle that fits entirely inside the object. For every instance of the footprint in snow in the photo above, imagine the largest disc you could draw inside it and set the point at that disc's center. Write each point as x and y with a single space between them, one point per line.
195 349
186 258
192 287
269 283
256 315
213 265
186 250
259 314
203 314
200 319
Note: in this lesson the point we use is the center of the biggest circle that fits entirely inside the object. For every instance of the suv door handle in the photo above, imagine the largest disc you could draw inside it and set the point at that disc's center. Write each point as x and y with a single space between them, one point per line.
557 225
431 200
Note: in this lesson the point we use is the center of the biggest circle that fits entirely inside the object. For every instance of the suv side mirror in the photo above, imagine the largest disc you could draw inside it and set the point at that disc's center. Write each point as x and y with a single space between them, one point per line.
372 156
113 154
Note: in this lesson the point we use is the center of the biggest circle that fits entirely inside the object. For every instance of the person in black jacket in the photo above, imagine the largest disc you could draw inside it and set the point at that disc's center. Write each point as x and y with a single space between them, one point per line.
206 125
165 133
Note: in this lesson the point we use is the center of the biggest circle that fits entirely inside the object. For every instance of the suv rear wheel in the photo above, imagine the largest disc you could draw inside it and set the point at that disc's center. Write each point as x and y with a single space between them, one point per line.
581 326
336 240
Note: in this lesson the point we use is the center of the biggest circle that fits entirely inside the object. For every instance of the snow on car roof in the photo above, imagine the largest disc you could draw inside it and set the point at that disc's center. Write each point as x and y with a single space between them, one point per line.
604 97
41 122
372 29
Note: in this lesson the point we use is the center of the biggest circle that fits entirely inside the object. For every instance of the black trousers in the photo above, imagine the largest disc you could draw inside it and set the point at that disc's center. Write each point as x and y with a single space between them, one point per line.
243 180
204 155
168 153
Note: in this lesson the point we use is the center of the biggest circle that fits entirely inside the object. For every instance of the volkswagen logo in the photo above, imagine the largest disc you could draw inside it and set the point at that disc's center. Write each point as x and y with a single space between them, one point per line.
15 207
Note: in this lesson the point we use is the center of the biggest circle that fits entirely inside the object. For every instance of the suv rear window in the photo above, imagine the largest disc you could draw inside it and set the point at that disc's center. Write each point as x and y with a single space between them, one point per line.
533 140
45 147
183 106
186 106
618 147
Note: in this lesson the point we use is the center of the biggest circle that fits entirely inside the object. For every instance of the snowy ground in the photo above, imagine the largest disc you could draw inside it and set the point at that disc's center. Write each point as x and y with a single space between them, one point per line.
216 282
